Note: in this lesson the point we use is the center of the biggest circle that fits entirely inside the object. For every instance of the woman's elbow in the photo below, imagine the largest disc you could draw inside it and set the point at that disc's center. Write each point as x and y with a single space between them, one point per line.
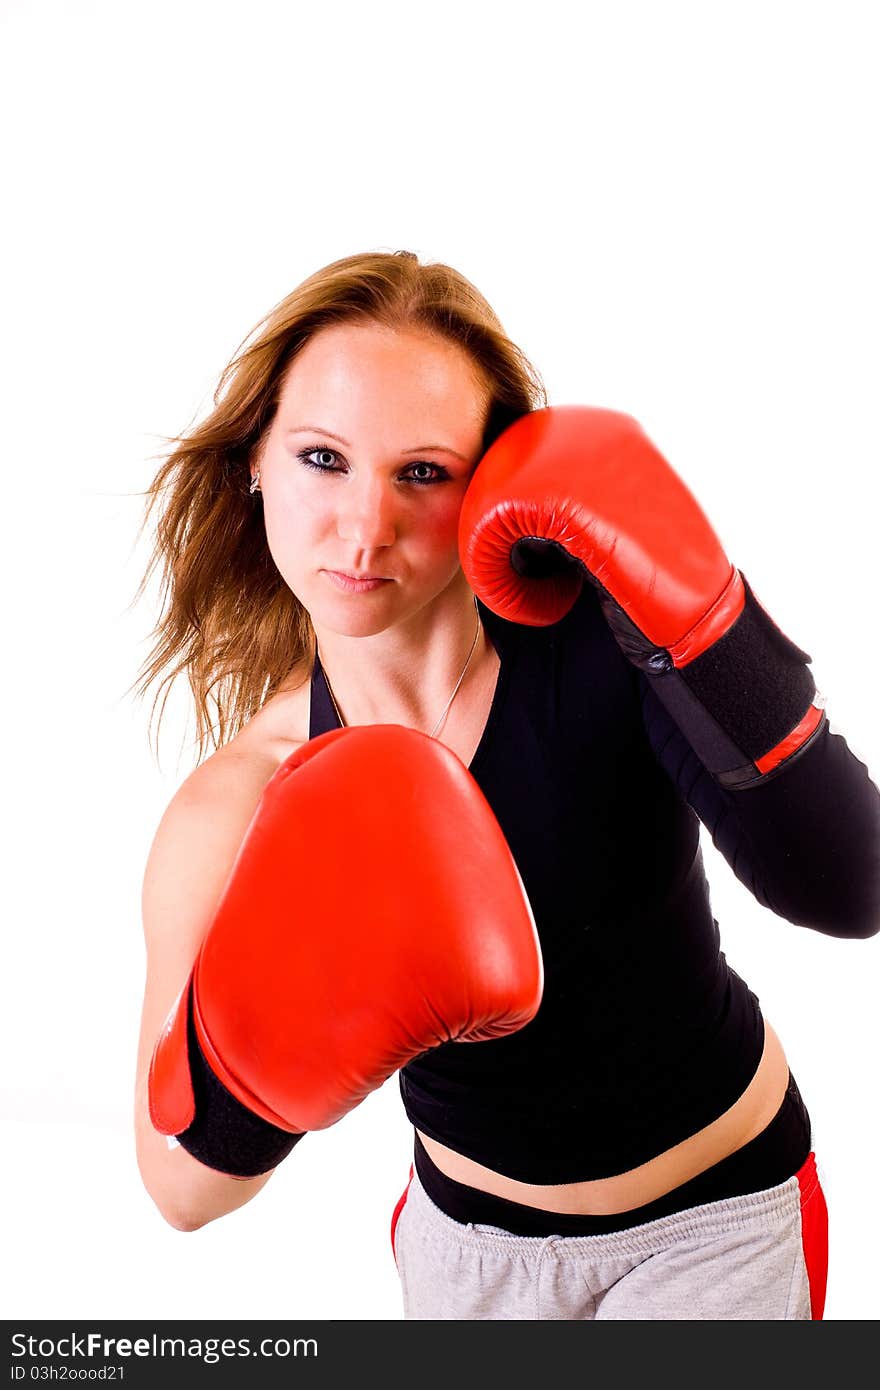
172 1204
187 1194
857 914
183 1214
848 929
847 916
188 1221
862 927
181 1220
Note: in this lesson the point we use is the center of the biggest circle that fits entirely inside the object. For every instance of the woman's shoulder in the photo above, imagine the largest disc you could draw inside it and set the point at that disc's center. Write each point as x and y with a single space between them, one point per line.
272 734
240 768
203 825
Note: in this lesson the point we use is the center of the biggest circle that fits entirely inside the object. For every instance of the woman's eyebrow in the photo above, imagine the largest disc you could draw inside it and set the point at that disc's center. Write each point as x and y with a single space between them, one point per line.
419 448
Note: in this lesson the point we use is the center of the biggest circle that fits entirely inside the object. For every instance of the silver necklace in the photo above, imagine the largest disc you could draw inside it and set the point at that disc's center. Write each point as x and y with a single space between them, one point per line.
448 702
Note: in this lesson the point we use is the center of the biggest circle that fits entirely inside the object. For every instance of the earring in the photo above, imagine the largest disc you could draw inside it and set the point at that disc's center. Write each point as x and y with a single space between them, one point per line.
255 483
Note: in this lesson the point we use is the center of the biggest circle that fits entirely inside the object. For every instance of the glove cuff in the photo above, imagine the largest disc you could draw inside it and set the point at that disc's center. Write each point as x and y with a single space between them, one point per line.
748 704
224 1134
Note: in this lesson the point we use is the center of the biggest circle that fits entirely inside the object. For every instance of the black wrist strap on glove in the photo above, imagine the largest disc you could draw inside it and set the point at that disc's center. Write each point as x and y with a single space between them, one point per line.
747 705
224 1134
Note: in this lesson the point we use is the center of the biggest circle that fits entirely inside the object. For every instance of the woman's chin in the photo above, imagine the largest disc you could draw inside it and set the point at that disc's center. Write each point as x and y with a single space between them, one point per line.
354 615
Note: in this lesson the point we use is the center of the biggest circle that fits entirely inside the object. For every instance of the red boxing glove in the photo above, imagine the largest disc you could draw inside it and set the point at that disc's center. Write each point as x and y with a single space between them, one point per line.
570 492
374 911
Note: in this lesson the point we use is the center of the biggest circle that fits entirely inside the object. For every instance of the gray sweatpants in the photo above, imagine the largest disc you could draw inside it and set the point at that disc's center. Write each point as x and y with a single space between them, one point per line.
762 1256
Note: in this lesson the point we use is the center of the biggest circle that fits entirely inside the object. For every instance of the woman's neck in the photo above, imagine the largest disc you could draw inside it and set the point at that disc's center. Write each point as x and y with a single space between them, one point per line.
407 673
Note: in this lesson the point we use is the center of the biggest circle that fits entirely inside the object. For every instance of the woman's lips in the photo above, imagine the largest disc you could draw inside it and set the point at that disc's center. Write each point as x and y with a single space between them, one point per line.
351 585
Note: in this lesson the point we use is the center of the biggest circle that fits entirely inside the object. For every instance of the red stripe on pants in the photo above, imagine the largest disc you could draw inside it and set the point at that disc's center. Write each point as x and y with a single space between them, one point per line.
398 1209
814 1234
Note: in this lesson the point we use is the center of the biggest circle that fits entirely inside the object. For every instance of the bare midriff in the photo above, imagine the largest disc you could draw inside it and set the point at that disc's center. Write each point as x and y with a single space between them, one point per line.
745 1119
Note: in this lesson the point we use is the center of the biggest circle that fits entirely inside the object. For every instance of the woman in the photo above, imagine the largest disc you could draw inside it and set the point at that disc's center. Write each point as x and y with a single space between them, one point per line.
635 1147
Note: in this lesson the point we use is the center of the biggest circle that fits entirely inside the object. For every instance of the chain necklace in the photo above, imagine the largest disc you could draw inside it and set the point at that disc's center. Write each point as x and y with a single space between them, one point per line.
448 702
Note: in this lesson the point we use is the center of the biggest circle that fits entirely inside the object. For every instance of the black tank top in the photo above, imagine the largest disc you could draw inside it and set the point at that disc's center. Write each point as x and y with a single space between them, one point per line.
645 1033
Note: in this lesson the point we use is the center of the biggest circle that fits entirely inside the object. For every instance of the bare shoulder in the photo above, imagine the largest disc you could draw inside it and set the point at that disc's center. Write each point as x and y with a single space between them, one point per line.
242 767
206 820
276 731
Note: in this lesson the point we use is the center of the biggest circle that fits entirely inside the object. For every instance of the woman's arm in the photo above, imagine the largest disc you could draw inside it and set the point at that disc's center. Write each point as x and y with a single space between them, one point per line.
187 868
308 986
805 842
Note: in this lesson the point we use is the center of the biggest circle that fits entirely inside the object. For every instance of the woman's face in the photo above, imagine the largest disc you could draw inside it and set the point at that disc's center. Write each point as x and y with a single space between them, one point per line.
364 470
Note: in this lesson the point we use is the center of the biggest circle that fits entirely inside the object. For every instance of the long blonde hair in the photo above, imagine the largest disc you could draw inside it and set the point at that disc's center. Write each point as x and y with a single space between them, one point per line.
227 618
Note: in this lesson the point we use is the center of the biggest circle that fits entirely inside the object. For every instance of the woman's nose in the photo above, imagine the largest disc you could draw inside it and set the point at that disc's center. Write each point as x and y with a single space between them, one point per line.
366 514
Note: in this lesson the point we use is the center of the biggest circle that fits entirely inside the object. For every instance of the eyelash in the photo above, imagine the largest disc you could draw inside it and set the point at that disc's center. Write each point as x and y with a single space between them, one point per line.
441 476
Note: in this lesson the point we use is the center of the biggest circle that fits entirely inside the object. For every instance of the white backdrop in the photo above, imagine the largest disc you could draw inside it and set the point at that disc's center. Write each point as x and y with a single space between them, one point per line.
673 209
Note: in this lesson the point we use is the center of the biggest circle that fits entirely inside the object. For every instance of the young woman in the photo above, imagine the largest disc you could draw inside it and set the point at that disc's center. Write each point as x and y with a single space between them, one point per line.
491 882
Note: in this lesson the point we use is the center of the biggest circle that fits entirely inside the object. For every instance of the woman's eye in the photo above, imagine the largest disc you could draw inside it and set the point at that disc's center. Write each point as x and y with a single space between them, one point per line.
323 460
435 474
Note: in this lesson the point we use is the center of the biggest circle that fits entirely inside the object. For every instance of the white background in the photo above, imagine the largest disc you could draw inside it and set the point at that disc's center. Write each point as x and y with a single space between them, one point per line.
673 209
